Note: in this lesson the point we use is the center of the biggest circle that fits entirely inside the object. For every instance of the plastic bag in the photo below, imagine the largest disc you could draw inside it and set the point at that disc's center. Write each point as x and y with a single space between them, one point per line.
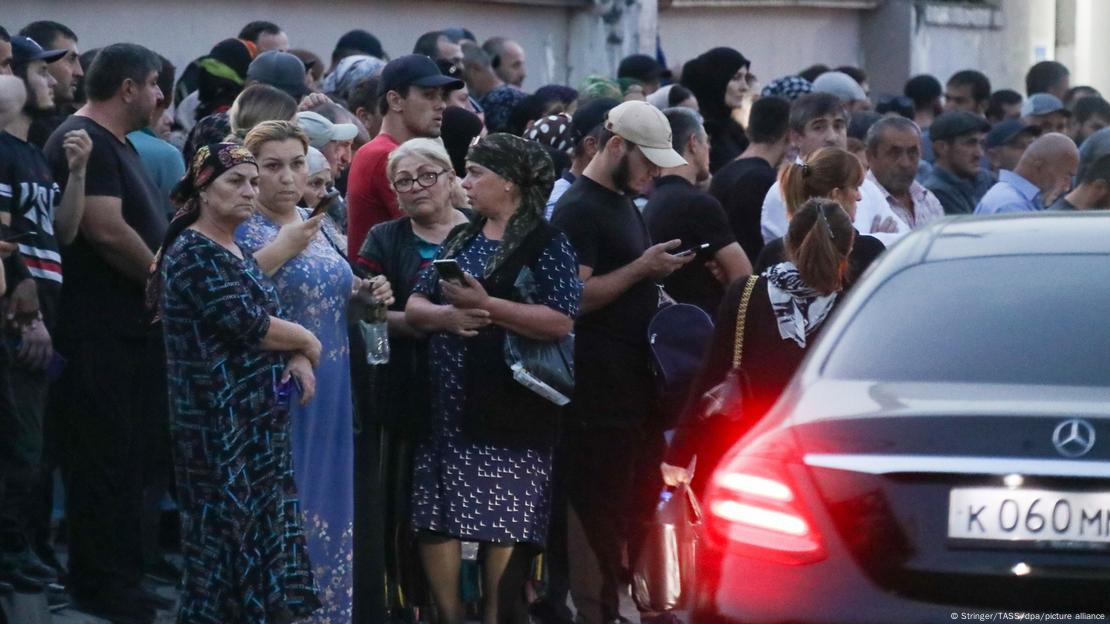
664 572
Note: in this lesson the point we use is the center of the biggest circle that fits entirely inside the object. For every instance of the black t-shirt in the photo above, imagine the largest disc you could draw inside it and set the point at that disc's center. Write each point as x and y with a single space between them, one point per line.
611 357
740 186
30 197
865 250
678 210
97 298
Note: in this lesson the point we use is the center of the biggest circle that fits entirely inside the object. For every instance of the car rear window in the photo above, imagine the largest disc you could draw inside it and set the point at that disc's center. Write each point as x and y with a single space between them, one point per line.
1019 319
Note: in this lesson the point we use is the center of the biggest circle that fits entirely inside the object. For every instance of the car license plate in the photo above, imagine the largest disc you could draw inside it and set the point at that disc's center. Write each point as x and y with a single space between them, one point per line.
1029 515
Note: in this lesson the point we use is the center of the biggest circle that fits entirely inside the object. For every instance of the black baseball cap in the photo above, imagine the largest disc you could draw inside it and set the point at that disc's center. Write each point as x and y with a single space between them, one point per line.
951 125
415 70
26 49
279 69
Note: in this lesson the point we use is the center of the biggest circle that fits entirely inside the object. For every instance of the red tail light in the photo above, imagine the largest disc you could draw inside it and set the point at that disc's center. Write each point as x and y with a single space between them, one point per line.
754 506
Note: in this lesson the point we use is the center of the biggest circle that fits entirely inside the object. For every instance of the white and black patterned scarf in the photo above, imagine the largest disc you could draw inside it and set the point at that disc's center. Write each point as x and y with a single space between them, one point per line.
798 308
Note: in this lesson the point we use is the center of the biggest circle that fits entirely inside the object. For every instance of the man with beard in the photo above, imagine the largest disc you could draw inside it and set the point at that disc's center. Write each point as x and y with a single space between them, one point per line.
412 98
66 72
111 395
894 152
33 208
610 431
678 209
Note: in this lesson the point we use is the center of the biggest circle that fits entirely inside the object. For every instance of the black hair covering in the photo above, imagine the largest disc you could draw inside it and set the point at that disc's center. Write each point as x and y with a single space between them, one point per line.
460 128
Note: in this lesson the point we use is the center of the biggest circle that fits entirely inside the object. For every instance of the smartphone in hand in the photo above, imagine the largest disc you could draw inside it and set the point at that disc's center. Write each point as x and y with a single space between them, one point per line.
449 270
325 202
691 250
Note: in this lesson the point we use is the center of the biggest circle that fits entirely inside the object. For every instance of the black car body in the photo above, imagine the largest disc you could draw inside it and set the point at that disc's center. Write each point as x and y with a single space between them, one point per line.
943 453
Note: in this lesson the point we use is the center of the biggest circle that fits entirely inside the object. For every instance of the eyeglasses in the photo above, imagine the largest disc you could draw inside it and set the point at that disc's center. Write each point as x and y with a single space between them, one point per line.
425 180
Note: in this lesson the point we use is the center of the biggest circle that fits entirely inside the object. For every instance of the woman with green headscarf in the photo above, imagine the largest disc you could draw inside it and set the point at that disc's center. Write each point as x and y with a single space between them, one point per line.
482 472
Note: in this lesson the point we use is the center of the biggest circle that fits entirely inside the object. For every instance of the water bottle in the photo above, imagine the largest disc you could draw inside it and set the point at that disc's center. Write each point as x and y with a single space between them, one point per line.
375 332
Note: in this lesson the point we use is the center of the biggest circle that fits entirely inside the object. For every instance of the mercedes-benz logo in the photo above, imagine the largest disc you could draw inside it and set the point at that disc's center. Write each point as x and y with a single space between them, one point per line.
1074 438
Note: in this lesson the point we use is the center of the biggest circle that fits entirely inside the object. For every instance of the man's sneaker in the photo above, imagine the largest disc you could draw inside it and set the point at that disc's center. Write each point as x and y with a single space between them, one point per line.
164 572
56 597
35 567
21 581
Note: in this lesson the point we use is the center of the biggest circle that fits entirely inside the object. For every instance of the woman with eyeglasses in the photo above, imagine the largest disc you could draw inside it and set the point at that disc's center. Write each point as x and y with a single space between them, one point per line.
432 200
304 260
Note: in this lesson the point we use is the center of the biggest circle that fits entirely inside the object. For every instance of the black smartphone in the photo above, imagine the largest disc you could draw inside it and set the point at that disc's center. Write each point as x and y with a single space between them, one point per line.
691 250
449 271
325 202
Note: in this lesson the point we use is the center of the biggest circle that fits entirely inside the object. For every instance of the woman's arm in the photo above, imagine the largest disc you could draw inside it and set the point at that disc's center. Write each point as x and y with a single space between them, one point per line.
528 319
423 315
283 335
291 240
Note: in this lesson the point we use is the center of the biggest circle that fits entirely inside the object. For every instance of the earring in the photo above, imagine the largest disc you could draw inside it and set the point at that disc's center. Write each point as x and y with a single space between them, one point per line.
508 188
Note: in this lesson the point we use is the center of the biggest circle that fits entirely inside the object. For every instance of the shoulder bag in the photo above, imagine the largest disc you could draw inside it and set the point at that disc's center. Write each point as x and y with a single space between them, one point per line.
726 398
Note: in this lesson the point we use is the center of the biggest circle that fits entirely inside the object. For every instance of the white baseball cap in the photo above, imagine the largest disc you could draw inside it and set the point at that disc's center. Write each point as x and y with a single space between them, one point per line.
641 123
321 131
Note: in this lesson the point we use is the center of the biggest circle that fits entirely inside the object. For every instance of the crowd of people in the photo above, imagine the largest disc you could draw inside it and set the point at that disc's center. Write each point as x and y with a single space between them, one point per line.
193 261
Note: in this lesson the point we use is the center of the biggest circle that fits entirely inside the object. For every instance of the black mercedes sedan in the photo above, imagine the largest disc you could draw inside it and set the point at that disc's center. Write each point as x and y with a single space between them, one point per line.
943 453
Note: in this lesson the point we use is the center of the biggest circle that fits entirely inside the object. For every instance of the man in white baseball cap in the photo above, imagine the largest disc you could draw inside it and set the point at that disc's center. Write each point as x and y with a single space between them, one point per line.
333 139
609 429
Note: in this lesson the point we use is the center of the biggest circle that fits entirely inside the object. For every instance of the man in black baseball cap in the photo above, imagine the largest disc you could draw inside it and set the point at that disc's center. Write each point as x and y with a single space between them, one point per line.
412 96
1006 142
957 179
279 69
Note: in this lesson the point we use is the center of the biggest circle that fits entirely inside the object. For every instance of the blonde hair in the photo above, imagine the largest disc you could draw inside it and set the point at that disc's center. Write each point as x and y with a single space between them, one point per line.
268 131
258 103
826 169
432 150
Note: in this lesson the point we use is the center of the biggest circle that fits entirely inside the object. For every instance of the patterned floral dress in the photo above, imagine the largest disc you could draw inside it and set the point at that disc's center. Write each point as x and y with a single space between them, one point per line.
313 289
470 489
245 556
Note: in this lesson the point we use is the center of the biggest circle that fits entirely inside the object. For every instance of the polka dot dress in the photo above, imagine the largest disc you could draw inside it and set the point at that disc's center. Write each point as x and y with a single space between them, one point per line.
471 489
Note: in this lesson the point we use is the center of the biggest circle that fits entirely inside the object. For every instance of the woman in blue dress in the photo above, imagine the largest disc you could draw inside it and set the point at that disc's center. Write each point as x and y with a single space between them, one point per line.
231 361
314 284
482 471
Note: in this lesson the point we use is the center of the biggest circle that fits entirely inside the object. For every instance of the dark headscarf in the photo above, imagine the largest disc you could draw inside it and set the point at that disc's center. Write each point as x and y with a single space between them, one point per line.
525 164
708 75
210 162
460 128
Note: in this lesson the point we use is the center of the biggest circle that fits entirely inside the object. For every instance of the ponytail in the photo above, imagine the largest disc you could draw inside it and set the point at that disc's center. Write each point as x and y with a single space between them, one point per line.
818 242
824 170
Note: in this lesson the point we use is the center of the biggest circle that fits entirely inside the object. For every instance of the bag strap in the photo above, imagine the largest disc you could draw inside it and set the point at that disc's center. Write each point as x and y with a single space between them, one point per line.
741 316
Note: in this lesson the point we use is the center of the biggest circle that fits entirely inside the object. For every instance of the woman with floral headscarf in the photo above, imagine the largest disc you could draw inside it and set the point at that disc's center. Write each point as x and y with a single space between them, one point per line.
231 363
482 471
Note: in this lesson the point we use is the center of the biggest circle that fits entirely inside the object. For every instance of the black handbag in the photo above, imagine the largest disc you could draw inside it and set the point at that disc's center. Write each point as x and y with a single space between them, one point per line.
726 398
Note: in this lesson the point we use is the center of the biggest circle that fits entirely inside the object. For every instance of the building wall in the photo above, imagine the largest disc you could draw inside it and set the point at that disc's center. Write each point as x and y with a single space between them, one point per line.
778 40
182 31
1026 35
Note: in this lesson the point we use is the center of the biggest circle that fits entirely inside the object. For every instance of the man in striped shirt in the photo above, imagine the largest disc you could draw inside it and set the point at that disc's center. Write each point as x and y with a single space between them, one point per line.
36 214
